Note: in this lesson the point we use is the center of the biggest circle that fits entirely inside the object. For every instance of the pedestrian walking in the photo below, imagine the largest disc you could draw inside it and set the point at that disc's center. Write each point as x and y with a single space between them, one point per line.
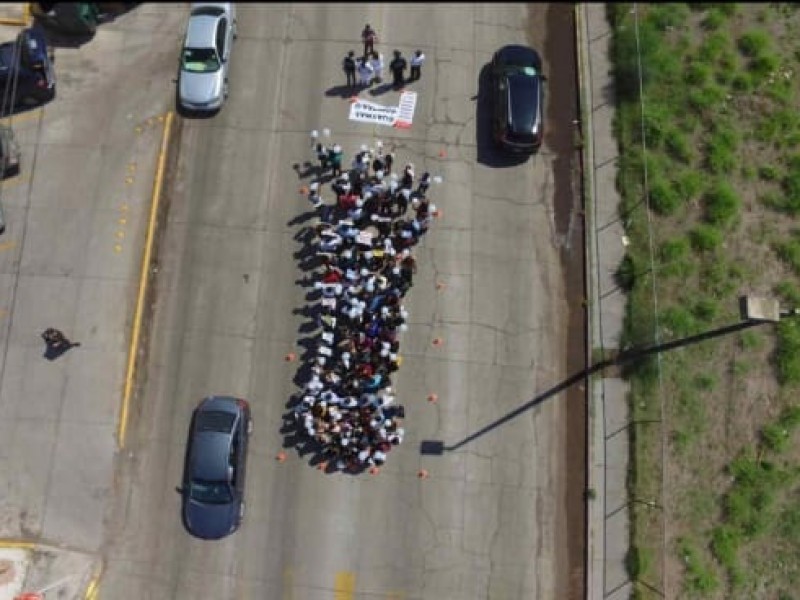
313 195
397 67
364 72
424 184
369 37
388 159
377 67
335 158
322 157
349 67
416 64
57 341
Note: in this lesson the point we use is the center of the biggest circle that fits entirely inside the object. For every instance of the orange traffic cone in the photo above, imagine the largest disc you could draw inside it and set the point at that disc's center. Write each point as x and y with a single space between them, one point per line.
432 397
437 341
442 153
290 357
322 466
374 470
440 285
303 190
281 456
422 474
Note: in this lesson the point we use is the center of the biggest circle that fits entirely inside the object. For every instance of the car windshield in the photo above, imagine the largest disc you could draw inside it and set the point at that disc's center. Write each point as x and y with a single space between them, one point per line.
525 71
200 60
210 492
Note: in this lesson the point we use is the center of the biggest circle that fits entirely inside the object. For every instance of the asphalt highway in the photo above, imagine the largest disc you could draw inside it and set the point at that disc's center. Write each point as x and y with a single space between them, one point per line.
500 514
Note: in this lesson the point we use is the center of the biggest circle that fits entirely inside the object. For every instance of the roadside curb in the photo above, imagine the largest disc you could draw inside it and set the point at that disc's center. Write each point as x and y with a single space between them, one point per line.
594 554
146 273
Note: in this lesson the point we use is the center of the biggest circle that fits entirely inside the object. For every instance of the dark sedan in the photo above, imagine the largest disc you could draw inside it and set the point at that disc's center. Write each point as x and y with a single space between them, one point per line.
214 473
518 99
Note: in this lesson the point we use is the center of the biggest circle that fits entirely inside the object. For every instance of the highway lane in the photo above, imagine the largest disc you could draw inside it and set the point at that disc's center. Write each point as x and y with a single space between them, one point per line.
492 520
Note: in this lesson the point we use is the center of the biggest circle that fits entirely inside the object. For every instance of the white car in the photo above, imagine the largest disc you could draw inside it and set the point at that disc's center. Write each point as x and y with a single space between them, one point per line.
205 57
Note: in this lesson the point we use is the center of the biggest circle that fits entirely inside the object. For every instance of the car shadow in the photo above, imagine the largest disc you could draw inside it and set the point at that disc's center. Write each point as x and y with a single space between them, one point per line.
59 38
488 153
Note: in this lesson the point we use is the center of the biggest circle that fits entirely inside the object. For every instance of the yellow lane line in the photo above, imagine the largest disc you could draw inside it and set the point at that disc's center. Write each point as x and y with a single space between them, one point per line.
143 281
20 544
344 585
21 117
94 585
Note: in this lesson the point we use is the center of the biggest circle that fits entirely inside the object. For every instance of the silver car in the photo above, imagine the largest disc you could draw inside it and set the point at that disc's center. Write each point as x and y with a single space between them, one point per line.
205 58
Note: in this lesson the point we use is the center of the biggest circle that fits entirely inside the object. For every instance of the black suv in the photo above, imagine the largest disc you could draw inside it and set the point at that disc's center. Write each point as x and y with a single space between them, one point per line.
214 472
26 71
517 99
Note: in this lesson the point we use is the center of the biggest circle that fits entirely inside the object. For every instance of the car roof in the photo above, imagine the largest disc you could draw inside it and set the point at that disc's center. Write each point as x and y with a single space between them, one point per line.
523 102
210 455
515 54
201 31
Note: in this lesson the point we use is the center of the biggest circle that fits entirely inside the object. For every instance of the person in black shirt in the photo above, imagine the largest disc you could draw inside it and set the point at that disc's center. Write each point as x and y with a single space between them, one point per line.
398 67
349 67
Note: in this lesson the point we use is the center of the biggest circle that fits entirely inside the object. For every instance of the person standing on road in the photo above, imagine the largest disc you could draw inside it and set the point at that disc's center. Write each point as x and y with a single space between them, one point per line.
335 159
369 37
397 67
56 341
416 64
377 67
349 67
364 72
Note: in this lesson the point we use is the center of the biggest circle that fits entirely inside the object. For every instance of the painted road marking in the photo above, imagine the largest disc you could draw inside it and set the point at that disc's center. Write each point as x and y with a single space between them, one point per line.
7 245
144 278
344 585
22 117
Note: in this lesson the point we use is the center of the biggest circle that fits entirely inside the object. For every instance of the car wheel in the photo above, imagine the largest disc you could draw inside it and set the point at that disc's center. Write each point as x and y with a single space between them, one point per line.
225 89
235 30
241 510
249 426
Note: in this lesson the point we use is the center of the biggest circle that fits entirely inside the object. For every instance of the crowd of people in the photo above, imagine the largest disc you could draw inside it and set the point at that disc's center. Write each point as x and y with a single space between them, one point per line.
363 243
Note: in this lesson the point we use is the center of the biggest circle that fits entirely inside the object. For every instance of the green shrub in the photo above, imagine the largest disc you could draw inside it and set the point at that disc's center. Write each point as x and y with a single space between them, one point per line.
713 46
664 198
789 523
705 309
637 561
689 184
754 43
678 321
768 173
728 9
674 250
625 276
705 238
790 417
722 204
763 66
789 252
787 352
742 82
720 158
667 15
697 73
705 382
750 340
713 19
656 122
678 147
658 62
788 292
725 543
706 99
775 437
699 579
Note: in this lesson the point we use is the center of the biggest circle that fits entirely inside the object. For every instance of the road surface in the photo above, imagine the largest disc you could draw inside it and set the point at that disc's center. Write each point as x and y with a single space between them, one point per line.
500 515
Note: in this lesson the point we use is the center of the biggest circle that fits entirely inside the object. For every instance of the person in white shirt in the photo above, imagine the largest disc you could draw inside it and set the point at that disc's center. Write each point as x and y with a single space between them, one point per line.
377 67
364 72
416 64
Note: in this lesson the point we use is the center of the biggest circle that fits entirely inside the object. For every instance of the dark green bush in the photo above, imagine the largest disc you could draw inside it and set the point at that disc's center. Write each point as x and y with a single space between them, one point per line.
705 238
754 43
787 354
664 198
721 203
